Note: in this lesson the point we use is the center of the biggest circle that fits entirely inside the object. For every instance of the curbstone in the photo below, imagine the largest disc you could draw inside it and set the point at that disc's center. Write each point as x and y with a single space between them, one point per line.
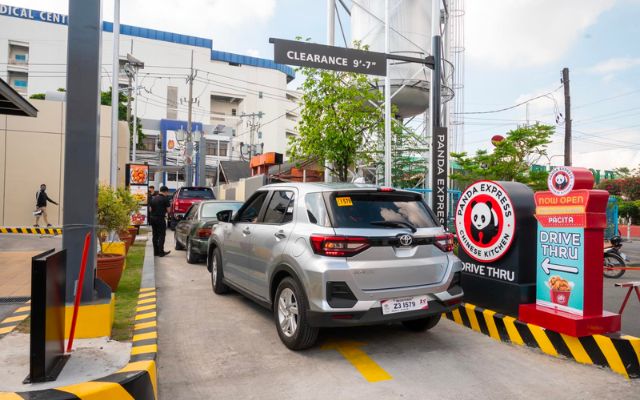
138 379
620 353
30 230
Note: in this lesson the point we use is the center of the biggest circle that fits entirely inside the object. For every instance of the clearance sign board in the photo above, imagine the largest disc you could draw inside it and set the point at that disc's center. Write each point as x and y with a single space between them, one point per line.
571 219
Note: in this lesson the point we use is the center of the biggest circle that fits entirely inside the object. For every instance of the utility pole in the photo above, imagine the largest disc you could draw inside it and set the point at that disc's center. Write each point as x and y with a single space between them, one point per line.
189 146
131 68
567 117
115 95
253 122
387 104
331 39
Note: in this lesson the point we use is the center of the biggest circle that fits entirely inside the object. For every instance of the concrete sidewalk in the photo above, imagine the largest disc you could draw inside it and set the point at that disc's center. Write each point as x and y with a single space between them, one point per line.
15 273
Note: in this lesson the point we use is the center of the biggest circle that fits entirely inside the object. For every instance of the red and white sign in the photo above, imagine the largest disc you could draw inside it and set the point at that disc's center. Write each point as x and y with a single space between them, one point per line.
561 181
485 221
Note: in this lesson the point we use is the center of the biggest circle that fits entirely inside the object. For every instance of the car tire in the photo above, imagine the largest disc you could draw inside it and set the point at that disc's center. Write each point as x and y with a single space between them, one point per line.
422 324
290 307
178 246
191 258
217 276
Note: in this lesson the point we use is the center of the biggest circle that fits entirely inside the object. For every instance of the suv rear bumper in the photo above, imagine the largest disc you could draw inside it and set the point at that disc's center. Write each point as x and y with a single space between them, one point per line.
374 316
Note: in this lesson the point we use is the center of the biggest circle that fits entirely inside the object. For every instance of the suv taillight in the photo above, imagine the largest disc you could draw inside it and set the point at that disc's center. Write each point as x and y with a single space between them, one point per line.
203 232
444 242
338 246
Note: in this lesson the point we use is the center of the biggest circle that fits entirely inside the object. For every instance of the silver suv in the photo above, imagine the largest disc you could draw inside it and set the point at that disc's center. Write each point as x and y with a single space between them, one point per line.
330 255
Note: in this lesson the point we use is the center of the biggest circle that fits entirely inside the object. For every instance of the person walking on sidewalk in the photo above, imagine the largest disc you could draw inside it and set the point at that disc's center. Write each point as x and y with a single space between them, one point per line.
41 205
157 218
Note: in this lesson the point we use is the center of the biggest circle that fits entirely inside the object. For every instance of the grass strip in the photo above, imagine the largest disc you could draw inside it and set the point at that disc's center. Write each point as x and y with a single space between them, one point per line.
127 294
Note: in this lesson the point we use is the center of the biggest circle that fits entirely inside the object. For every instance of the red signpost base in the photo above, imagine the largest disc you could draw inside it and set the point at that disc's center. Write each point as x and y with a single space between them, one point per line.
567 323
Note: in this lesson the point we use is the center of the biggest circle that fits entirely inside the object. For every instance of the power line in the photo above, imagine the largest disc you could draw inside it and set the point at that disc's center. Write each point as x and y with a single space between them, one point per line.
513 106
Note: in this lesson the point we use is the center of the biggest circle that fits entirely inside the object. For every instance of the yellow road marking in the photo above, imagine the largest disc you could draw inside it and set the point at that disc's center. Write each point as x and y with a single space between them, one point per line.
146 315
471 313
577 349
151 324
491 324
146 308
147 301
148 289
514 335
150 348
23 309
10 396
145 336
16 318
97 390
543 340
456 316
147 365
150 294
368 368
611 354
7 329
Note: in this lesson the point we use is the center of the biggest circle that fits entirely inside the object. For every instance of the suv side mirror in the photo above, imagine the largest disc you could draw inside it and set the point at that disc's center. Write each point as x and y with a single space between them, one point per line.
224 216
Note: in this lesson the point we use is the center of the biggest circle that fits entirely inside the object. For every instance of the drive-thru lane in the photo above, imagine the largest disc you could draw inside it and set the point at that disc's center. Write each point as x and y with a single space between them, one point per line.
227 347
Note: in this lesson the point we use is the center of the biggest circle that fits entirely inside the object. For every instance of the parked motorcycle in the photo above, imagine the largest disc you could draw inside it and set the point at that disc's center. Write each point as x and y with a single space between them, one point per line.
614 259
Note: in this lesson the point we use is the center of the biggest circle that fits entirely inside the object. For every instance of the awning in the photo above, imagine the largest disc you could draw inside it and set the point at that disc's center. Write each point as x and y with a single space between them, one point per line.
12 103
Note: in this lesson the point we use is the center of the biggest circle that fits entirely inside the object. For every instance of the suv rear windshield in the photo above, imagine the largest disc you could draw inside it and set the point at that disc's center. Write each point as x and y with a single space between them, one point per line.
196 193
379 210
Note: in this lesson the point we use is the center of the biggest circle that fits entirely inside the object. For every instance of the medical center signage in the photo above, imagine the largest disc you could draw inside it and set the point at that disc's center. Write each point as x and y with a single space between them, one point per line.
26 13
496 234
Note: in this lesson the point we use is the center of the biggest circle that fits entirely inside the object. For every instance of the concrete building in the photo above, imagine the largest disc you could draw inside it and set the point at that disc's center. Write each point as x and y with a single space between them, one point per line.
32 153
33 49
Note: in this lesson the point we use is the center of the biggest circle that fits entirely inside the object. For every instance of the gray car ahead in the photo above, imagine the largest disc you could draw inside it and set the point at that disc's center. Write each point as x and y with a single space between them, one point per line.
331 255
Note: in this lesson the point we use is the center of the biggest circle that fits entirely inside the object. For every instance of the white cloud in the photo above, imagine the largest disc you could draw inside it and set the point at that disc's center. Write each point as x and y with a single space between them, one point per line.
223 21
527 32
615 65
252 52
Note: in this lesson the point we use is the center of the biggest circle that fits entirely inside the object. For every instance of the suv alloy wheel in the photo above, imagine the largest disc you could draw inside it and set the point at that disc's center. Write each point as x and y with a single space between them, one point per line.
290 314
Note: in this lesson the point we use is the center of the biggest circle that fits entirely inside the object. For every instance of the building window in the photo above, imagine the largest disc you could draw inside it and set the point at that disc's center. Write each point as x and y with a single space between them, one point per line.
149 143
259 95
21 58
259 135
212 148
20 83
233 112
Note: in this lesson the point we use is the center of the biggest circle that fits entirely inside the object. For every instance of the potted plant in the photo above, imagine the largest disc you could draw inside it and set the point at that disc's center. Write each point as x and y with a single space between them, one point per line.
131 205
112 217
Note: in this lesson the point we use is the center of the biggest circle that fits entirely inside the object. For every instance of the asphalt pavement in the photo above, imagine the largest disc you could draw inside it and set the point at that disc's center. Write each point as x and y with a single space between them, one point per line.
213 346
613 296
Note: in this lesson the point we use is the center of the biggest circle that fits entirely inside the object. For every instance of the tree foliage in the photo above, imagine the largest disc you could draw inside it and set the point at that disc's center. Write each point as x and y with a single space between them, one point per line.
511 159
338 121
627 188
105 100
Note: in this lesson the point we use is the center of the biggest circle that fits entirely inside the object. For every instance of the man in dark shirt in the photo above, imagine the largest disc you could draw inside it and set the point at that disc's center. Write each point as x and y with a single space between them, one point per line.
157 218
41 205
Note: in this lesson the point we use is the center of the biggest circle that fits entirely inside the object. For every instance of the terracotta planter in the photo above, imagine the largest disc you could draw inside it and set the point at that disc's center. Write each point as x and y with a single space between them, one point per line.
110 267
126 238
133 231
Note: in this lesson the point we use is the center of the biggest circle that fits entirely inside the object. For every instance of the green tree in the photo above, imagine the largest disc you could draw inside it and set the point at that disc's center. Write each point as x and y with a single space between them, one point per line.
338 123
511 159
105 100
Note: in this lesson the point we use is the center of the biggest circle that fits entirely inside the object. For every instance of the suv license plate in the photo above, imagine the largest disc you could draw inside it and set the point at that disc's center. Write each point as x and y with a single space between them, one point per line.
402 304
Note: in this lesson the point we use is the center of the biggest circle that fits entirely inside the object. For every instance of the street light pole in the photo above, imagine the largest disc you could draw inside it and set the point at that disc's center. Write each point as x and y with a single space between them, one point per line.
115 95
189 147
331 31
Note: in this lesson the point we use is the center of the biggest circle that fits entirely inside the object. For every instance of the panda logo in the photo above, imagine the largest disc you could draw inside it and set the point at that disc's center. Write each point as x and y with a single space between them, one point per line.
561 181
484 222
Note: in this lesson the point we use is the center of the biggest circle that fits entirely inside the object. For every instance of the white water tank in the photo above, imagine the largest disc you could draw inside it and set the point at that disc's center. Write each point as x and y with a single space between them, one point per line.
409 35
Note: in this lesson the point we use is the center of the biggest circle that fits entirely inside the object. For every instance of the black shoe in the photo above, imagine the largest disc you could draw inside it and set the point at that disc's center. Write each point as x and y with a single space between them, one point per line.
164 253
48 225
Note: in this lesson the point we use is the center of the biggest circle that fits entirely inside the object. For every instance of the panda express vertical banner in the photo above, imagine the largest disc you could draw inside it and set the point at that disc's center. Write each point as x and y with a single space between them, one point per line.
496 232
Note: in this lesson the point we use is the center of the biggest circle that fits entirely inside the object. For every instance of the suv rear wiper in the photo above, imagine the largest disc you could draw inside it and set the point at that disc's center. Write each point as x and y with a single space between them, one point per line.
396 224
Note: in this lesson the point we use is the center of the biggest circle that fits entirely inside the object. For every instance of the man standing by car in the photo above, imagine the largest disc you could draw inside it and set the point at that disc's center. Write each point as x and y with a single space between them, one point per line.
158 211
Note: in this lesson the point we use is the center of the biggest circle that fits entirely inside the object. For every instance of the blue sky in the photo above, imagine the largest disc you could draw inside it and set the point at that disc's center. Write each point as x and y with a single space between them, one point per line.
515 50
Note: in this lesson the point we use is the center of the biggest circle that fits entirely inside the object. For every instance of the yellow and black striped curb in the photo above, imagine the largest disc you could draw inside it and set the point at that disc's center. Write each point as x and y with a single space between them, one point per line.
30 230
621 353
137 380
10 323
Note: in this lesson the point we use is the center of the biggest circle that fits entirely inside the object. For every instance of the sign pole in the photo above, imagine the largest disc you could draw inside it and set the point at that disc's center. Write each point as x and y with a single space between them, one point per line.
115 95
387 104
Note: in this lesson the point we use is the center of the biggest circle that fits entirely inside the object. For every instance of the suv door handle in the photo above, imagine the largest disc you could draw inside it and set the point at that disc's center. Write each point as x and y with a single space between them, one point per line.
246 231
280 235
